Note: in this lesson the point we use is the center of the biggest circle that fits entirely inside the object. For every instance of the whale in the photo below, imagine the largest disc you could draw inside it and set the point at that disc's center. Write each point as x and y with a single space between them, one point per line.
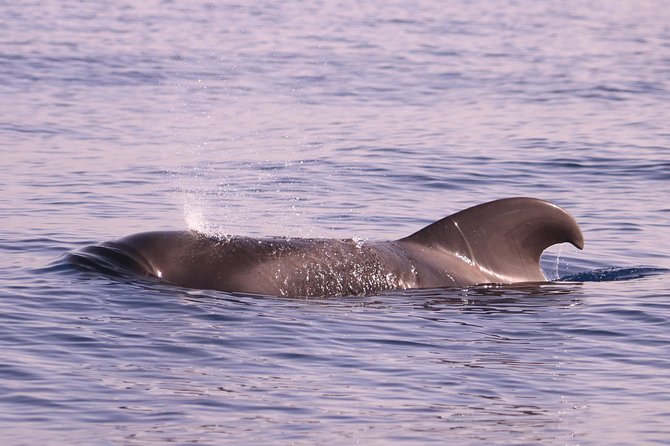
499 242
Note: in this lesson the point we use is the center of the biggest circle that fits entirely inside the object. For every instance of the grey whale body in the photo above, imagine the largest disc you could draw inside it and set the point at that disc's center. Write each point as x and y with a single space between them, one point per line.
496 242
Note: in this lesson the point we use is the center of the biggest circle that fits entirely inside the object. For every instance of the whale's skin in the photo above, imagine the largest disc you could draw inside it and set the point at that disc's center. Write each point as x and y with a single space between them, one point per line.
497 242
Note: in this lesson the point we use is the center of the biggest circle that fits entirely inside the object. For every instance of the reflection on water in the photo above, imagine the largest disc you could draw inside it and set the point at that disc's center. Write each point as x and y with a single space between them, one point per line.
506 298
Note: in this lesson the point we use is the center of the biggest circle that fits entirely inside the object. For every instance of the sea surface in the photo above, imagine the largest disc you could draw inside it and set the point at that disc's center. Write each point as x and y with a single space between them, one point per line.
333 119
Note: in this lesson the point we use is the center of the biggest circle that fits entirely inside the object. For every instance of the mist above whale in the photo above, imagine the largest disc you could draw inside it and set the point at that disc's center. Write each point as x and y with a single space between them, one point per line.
496 242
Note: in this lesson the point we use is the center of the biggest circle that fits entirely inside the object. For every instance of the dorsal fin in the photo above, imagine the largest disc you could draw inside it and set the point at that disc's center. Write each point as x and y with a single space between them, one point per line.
503 238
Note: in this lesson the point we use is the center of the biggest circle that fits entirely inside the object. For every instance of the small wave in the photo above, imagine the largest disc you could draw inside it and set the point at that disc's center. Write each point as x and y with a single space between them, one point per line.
612 274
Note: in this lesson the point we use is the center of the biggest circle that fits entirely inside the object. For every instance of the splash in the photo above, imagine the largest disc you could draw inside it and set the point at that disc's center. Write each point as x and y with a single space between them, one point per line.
196 218
235 174
557 274
243 165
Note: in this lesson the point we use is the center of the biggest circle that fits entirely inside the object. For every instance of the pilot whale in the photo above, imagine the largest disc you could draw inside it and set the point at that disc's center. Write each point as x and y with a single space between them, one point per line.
497 242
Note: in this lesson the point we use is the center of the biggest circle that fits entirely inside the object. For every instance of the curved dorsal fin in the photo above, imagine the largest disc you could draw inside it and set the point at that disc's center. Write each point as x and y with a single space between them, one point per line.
503 238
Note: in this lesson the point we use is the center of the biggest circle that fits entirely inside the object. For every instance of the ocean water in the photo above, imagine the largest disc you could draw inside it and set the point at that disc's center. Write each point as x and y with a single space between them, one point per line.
333 119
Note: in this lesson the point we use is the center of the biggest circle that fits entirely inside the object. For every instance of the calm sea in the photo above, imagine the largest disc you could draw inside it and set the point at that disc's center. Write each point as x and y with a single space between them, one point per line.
333 119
